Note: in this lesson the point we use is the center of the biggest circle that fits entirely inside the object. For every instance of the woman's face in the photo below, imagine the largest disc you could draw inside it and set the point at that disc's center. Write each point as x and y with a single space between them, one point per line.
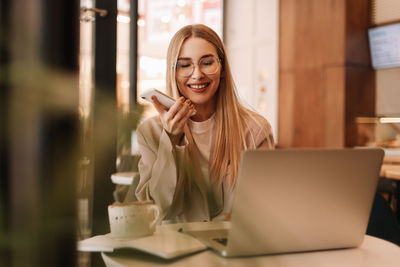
199 87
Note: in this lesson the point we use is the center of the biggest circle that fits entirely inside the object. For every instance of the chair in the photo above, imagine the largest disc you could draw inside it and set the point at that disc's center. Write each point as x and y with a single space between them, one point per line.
382 222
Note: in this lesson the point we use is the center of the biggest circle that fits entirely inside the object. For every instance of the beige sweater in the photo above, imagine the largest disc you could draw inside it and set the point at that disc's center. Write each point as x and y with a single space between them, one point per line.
161 170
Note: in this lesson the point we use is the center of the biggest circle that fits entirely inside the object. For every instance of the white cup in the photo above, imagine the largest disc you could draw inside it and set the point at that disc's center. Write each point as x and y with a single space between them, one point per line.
133 219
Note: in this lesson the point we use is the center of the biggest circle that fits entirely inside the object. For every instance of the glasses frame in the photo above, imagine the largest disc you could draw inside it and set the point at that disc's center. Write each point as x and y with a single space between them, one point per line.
219 60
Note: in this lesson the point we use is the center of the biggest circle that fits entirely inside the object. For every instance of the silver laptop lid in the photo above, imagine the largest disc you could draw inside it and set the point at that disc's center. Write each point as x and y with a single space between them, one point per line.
302 200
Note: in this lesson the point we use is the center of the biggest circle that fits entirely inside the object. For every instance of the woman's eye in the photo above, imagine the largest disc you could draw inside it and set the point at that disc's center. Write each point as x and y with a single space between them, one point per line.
183 65
208 63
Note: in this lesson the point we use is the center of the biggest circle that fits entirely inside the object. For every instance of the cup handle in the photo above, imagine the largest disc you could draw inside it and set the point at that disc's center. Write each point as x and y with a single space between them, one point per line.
157 216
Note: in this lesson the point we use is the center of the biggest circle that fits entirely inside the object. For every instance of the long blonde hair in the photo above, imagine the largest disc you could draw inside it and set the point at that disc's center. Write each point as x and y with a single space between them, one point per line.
231 118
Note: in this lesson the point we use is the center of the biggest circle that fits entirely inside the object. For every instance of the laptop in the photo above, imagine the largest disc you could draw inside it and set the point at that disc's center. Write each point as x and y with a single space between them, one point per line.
299 200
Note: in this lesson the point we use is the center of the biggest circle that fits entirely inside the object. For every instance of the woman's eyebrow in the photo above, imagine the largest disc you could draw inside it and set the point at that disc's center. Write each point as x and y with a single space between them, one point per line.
208 55
189 58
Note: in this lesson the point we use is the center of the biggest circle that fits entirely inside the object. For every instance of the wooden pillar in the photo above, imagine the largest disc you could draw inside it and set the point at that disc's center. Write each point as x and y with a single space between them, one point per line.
325 78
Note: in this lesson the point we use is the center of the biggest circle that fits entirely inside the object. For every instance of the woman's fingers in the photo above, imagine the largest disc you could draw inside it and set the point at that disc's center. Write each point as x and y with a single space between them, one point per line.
175 108
188 114
184 108
175 118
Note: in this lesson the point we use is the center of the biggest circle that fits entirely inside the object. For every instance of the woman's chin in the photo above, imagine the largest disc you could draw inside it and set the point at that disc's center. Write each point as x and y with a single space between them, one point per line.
200 100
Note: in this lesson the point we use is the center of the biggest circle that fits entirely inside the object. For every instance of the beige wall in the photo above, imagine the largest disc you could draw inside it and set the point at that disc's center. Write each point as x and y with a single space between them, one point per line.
251 38
387 80
388 91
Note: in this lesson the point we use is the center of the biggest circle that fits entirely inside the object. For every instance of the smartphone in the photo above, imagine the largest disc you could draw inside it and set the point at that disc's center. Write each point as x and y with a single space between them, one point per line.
164 99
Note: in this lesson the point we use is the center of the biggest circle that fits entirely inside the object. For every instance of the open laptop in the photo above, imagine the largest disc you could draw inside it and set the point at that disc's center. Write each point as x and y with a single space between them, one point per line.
299 200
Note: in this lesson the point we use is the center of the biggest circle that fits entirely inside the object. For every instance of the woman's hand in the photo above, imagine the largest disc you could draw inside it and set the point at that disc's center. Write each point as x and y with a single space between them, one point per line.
174 119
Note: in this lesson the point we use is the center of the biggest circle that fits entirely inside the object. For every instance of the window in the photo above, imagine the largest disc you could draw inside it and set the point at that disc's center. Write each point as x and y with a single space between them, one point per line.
158 20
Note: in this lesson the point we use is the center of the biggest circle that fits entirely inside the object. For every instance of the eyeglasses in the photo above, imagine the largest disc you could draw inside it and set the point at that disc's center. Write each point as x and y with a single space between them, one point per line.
207 65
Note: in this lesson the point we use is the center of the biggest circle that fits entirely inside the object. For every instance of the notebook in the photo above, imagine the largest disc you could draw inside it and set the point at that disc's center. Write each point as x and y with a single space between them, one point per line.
166 244
299 200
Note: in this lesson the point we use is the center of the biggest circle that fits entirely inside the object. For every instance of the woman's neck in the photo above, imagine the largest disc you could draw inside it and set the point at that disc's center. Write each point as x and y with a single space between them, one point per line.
203 112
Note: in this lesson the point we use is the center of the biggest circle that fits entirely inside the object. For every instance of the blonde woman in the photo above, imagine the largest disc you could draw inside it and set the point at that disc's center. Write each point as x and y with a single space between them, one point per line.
190 153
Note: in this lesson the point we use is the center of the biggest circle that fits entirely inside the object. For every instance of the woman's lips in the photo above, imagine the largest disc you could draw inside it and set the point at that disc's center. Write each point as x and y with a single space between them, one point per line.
198 88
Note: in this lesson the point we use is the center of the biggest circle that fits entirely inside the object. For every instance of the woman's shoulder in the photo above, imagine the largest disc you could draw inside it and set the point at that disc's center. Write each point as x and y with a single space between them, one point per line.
256 122
258 129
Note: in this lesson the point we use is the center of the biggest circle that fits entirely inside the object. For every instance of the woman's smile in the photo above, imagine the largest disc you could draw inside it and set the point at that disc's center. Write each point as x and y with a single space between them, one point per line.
198 87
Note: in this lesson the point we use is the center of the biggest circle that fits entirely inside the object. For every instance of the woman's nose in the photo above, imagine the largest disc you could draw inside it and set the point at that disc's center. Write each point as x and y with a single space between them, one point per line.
197 73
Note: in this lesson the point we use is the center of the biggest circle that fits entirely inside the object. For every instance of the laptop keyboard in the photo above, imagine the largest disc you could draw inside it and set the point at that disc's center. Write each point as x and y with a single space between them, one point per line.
222 241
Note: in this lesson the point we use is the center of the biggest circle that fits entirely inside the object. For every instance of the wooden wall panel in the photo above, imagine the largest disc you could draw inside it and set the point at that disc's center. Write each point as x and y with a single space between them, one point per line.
334 107
302 91
308 123
325 78
357 22
360 78
286 102
287 34
311 106
360 99
312 33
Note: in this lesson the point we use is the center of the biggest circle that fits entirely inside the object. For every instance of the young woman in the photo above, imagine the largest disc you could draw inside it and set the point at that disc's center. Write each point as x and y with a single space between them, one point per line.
190 153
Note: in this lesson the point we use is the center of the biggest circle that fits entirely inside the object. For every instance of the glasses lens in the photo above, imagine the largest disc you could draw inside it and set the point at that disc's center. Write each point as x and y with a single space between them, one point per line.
184 67
209 65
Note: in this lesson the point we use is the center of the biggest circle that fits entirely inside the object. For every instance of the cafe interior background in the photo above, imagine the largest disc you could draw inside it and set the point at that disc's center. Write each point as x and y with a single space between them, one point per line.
71 73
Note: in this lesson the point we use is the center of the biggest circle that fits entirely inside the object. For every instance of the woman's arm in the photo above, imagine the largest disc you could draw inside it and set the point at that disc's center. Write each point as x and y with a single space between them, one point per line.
161 165
160 169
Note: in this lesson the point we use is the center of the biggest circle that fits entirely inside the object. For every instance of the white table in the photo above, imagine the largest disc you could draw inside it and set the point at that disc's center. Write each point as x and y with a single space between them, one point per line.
124 178
372 252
